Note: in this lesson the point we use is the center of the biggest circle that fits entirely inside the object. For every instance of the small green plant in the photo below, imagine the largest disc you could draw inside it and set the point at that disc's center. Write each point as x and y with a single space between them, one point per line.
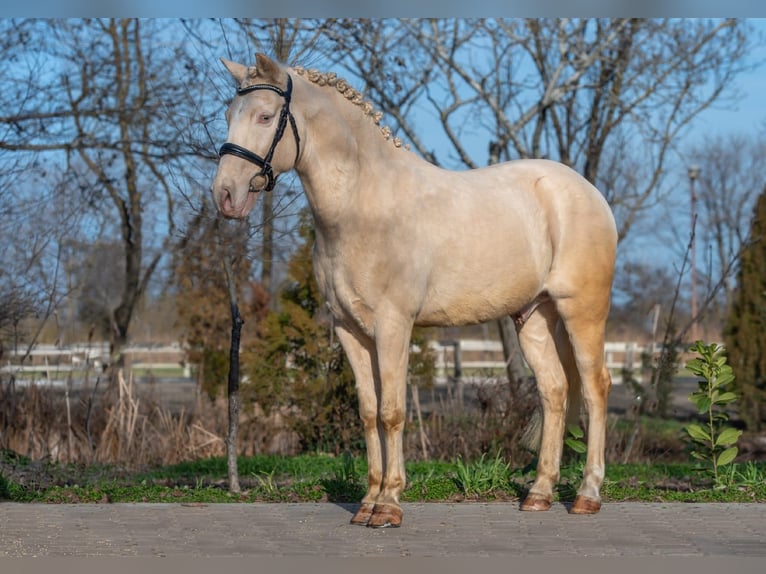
483 476
345 485
573 440
751 477
266 482
348 471
748 478
716 442
572 470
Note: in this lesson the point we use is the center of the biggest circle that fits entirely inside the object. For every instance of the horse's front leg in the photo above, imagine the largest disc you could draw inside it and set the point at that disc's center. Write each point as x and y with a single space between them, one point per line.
360 352
392 341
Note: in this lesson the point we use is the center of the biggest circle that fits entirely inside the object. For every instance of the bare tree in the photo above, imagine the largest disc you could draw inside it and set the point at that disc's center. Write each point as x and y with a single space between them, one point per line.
92 99
33 278
725 191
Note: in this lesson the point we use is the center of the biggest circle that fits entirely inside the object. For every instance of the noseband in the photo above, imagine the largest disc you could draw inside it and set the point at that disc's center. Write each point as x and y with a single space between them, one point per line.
265 162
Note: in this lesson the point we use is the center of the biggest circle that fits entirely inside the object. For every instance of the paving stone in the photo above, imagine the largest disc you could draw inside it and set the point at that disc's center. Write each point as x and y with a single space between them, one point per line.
460 530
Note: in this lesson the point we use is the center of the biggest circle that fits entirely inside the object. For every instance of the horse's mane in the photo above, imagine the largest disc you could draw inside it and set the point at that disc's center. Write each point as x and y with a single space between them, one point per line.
351 94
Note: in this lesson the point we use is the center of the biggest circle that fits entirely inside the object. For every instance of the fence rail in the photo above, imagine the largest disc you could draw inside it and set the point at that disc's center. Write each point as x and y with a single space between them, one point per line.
480 359
467 359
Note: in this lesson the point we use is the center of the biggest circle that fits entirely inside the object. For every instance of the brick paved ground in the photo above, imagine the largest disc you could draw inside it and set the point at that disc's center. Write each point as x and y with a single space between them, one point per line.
465 530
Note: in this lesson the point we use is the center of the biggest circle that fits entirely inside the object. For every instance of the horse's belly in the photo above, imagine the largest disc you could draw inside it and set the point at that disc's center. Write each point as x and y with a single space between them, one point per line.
474 306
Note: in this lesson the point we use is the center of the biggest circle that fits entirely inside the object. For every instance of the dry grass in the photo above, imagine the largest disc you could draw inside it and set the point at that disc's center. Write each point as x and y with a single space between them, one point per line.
474 420
121 425
119 422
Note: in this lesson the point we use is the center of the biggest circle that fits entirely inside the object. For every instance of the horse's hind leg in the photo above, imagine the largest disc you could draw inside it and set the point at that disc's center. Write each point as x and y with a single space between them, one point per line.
537 339
585 325
359 351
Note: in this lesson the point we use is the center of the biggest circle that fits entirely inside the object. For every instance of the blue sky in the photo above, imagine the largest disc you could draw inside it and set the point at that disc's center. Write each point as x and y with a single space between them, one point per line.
662 237
750 113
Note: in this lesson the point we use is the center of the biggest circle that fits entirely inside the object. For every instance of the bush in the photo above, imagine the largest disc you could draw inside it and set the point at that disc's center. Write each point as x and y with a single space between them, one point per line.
715 441
297 367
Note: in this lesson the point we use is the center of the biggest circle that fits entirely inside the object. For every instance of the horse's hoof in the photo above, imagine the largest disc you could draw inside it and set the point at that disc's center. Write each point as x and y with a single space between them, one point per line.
362 516
385 516
536 502
584 505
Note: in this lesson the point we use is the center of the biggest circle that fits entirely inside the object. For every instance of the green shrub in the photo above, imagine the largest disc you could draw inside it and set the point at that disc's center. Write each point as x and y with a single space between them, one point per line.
715 441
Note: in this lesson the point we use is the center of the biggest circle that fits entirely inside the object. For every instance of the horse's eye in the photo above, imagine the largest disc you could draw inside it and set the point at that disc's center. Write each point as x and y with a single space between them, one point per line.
264 118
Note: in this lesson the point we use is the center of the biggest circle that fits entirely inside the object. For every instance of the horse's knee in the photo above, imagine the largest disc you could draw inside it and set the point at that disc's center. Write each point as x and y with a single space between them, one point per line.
369 420
392 418
369 426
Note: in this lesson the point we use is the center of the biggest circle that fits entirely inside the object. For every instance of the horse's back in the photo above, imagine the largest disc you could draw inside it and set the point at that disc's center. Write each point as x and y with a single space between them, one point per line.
534 201
559 187
503 234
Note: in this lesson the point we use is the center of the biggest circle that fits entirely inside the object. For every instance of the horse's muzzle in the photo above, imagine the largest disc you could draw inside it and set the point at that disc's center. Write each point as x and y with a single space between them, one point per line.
230 204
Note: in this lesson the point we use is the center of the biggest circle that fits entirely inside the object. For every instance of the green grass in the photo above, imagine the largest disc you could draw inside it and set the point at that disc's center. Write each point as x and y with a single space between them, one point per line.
319 478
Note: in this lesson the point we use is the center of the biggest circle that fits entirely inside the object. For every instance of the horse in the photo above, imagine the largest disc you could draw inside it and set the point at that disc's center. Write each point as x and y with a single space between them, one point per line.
401 242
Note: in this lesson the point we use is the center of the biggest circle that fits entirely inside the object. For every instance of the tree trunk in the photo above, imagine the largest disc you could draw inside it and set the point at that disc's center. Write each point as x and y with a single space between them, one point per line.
421 431
267 247
233 386
514 361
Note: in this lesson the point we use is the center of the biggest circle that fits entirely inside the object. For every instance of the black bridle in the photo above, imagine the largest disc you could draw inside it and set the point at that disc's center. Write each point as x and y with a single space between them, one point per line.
265 162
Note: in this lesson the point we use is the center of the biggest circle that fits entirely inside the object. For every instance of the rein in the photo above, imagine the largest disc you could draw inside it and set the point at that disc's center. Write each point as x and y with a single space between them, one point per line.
265 162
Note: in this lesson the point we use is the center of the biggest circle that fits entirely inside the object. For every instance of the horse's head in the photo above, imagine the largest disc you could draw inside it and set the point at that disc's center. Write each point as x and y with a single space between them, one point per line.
255 152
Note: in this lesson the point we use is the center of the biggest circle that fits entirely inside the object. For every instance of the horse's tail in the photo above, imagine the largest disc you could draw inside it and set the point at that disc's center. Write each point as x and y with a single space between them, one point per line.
532 435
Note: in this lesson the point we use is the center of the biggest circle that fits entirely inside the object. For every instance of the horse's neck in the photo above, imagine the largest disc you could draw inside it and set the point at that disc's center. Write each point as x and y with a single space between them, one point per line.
347 164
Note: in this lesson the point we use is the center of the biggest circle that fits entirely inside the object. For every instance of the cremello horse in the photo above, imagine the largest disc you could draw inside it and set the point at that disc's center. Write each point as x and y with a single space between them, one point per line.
401 242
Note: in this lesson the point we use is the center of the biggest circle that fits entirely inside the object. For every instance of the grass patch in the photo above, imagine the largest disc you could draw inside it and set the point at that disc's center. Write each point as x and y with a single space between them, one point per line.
320 478
684 483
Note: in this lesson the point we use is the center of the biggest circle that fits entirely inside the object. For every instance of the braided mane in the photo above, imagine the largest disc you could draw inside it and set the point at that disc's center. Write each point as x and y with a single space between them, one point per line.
352 95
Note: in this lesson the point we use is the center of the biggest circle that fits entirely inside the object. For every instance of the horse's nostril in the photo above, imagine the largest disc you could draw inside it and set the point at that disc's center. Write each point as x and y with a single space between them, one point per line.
222 194
227 202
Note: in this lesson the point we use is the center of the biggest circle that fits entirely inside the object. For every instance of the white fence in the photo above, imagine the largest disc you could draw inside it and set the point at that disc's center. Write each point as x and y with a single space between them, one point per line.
473 359
53 361
469 359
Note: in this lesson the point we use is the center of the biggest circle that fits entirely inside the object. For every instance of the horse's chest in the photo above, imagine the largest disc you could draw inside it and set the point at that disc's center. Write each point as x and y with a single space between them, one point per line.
345 300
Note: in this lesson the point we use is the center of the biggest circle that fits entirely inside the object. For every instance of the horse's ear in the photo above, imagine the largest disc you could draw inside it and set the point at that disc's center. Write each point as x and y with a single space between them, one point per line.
268 69
239 71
